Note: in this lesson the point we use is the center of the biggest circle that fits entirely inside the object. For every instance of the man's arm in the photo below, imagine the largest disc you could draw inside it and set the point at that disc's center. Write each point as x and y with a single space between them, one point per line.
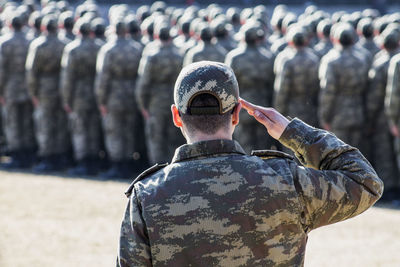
337 183
134 247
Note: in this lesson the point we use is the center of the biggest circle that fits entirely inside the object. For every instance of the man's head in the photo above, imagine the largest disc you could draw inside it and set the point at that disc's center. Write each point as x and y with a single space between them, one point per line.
206 97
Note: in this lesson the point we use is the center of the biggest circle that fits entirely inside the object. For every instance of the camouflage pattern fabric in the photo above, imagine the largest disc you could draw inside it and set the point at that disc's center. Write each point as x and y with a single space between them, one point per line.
297 84
204 51
322 47
368 44
253 68
343 76
117 65
157 75
77 89
215 206
43 67
17 112
380 139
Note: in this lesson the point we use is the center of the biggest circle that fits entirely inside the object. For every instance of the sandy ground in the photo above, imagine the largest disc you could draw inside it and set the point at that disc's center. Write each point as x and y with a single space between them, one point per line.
62 221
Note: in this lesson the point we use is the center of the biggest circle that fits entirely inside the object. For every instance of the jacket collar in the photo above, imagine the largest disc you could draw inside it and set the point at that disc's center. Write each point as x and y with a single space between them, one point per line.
207 149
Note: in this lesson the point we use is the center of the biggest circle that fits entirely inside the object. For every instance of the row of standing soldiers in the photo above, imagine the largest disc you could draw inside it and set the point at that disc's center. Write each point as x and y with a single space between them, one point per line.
107 91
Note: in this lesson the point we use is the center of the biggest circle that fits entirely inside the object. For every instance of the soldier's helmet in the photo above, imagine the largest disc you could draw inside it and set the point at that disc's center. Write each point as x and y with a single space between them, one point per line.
66 20
365 27
390 38
35 19
206 77
162 30
251 31
324 28
344 33
205 32
49 23
16 21
82 26
98 26
296 35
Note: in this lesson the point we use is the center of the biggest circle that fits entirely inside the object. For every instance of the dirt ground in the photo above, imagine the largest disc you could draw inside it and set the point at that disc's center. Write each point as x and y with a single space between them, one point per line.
63 221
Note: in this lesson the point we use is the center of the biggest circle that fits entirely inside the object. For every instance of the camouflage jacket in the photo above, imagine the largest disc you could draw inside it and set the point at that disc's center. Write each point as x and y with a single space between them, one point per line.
157 75
254 72
117 66
78 73
297 84
13 51
322 47
376 90
343 75
43 66
205 51
392 100
215 206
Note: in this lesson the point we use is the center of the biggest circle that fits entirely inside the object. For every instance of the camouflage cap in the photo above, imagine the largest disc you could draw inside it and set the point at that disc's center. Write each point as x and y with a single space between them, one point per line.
206 77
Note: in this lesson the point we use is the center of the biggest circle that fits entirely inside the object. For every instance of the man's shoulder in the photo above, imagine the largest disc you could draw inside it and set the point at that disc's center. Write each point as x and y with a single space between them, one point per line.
143 175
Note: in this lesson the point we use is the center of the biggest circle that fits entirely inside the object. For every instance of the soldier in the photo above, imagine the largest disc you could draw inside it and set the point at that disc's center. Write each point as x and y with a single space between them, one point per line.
253 68
205 50
66 22
281 43
216 206
98 26
343 76
219 28
14 97
296 83
392 104
324 44
77 88
117 66
157 73
366 31
35 21
43 66
380 140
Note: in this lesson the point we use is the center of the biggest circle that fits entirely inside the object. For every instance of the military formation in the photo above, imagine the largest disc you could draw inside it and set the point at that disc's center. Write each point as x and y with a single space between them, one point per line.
92 95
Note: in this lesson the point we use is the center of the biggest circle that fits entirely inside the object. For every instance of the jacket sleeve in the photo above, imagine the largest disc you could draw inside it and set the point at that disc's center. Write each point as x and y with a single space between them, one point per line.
134 246
328 92
103 76
392 100
32 67
336 183
67 84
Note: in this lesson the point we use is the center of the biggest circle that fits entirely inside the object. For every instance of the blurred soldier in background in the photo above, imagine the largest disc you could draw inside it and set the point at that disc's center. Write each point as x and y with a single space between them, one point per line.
343 76
157 74
66 23
14 97
382 155
117 65
35 21
77 88
296 83
205 50
324 44
253 68
98 28
365 30
43 66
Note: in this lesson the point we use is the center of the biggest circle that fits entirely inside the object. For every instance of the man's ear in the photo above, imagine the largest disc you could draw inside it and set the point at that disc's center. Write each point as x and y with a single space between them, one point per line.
235 115
176 117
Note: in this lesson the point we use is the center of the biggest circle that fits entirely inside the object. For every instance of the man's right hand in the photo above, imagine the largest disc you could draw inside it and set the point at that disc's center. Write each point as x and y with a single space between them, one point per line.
2 101
145 114
103 110
272 120
35 101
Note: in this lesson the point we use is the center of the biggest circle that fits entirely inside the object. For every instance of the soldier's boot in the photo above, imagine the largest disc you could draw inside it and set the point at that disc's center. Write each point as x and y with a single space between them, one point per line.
15 162
47 164
115 172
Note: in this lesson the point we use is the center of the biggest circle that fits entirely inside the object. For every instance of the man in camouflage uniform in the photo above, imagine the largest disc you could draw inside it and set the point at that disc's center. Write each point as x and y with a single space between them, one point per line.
216 206
392 108
343 76
157 74
205 50
324 44
43 66
77 89
296 83
117 66
253 68
14 97
366 31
